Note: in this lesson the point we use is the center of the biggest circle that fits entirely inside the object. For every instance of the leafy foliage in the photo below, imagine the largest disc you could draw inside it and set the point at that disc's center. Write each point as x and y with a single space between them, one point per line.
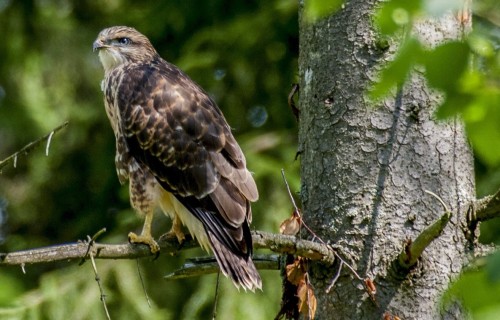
478 290
466 72
317 9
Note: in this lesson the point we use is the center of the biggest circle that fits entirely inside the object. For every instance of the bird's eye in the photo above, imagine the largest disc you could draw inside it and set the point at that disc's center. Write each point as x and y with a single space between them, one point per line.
124 41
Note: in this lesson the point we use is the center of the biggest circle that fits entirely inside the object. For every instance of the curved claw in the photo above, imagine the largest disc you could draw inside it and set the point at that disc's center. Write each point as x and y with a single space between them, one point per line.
176 231
144 239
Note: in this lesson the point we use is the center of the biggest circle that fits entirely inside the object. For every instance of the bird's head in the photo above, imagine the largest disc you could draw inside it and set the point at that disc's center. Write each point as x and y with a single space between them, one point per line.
119 45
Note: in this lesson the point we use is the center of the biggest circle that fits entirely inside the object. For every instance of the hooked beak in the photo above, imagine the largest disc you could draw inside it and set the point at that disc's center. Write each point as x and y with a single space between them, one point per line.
98 44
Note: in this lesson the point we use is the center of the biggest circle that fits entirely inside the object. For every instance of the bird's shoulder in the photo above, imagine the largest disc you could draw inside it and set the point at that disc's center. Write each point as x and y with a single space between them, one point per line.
159 76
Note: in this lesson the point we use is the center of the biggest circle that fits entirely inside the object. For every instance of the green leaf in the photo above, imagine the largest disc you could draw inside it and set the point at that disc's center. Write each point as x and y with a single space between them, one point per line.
445 64
476 291
396 14
317 9
454 104
437 8
493 267
481 45
482 117
397 71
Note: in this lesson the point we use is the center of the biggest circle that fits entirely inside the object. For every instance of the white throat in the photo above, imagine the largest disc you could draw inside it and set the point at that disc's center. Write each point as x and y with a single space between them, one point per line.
110 60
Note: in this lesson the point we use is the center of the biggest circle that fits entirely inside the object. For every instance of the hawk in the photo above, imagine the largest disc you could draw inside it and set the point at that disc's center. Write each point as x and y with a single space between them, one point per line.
176 149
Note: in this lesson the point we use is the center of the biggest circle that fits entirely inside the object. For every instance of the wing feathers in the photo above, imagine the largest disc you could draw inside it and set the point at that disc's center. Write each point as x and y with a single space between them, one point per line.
232 247
230 203
176 130
232 237
241 178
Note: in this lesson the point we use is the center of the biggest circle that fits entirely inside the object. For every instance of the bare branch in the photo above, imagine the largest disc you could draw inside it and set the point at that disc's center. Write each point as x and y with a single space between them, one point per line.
413 249
79 250
30 146
289 244
97 278
487 208
207 265
291 102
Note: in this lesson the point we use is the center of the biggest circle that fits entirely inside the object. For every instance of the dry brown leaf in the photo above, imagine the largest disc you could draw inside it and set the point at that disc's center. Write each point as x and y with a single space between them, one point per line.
291 226
390 316
307 299
295 272
370 285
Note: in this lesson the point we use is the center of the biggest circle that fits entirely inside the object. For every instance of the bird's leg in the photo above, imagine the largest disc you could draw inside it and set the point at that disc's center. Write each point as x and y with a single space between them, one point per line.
176 230
145 237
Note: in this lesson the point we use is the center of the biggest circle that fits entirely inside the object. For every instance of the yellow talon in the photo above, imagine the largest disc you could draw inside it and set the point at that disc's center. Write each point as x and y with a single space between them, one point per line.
176 231
144 239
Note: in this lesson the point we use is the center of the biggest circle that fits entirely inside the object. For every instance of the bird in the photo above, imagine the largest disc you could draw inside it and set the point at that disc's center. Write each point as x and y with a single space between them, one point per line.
176 149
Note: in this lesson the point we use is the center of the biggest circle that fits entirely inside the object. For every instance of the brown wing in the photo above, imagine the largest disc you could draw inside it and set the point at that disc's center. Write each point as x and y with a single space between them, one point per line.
174 128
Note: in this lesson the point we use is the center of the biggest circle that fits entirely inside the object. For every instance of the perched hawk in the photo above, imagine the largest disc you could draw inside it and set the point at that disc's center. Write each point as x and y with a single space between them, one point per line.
177 150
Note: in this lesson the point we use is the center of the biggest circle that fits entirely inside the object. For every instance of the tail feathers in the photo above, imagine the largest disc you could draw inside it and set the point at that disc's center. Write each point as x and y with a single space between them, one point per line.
240 269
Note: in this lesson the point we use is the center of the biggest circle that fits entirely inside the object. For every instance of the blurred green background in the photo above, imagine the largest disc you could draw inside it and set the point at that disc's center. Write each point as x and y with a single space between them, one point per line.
243 53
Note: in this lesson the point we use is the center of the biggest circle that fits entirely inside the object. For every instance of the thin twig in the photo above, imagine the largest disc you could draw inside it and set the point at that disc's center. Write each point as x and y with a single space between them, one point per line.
297 211
291 102
290 192
30 146
142 283
335 277
348 266
98 280
315 236
48 144
216 298
439 199
91 242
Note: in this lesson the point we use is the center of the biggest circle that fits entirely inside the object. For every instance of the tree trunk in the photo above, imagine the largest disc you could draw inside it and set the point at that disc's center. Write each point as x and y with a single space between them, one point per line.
365 170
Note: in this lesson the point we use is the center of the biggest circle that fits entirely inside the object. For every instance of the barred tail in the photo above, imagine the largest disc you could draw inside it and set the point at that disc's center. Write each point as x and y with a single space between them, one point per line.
240 269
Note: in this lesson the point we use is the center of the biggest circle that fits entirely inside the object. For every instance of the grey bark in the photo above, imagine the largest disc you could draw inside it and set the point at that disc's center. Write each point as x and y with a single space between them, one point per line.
365 169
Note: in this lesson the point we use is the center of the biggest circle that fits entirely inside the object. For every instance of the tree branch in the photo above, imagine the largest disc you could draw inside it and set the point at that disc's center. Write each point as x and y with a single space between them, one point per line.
30 146
80 250
207 265
487 208
413 249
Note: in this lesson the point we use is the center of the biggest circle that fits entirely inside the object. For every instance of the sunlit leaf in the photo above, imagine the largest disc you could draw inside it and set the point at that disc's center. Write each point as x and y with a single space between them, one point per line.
316 9
395 14
453 104
493 267
477 291
397 70
445 64
485 131
437 8
481 45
